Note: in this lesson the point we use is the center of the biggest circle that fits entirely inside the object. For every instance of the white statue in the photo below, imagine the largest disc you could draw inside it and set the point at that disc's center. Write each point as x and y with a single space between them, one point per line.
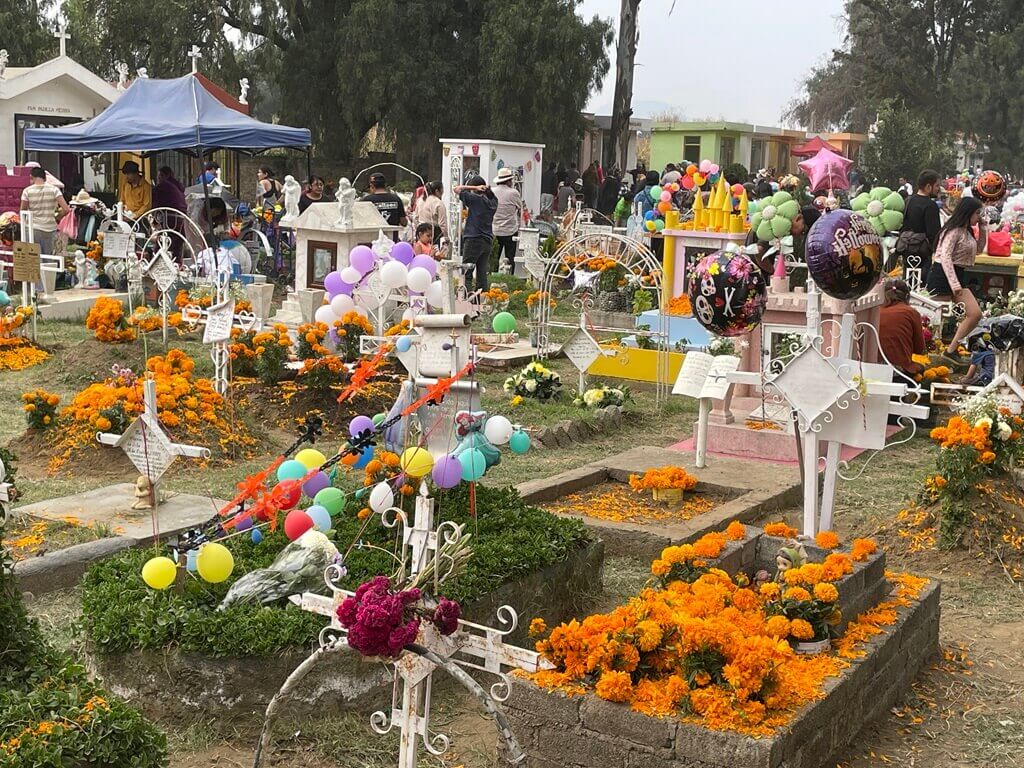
243 97
217 186
80 267
346 203
122 75
4 58
292 190
382 246
142 73
90 274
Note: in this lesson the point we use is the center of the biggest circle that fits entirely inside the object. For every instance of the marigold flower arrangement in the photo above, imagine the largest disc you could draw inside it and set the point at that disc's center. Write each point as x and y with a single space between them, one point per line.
107 321
399 329
262 354
826 539
17 352
680 306
663 478
602 396
40 408
203 294
186 405
321 367
535 298
781 530
349 330
688 562
807 603
535 380
938 373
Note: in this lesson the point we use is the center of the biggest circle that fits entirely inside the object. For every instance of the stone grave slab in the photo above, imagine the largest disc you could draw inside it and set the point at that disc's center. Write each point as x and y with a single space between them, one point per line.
111 506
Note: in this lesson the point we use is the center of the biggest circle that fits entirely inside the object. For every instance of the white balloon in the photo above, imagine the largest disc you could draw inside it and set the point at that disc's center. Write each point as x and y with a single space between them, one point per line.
409 314
351 275
435 294
419 279
342 304
325 314
381 497
394 274
498 430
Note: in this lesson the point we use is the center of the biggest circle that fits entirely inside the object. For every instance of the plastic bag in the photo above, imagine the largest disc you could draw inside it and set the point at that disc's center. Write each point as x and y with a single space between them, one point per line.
69 225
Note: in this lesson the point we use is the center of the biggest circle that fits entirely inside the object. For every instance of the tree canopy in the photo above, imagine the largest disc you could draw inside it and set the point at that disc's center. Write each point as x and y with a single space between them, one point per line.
413 70
27 36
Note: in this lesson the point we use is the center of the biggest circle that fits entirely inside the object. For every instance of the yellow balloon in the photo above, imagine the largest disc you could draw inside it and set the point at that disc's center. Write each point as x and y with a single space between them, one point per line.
310 458
214 562
159 572
416 462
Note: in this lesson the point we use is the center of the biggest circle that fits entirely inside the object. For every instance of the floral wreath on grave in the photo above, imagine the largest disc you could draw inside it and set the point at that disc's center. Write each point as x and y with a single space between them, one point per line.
17 352
710 648
185 402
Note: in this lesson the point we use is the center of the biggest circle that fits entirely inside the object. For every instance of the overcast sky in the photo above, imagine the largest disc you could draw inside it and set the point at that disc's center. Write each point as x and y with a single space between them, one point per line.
764 50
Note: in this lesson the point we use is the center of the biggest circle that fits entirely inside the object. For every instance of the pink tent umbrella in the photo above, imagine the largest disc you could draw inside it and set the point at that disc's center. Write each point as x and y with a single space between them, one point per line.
827 170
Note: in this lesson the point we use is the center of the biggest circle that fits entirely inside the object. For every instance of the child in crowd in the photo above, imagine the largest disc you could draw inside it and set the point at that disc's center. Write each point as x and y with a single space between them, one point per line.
424 240
983 366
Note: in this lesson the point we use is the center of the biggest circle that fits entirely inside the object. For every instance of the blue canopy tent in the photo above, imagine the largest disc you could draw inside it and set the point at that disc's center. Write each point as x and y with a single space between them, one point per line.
158 115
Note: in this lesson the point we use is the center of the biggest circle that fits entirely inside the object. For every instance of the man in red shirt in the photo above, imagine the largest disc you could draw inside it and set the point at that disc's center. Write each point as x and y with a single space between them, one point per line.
899 329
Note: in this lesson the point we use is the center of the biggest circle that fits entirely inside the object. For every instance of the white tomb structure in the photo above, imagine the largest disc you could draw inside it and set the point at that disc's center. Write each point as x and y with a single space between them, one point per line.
322 247
487 156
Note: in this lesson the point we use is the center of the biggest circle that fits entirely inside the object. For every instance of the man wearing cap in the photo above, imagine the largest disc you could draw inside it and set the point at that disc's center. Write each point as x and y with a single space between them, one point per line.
477 233
507 216
387 202
42 199
134 192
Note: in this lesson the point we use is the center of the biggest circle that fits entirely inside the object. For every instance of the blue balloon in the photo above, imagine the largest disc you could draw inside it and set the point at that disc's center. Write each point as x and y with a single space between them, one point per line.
191 560
474 464
257 535
291 470
321 518
403 344
364 458
649 216
519 442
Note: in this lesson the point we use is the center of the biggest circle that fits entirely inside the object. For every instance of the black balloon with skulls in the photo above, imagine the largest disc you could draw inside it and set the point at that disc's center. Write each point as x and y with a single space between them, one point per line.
728 293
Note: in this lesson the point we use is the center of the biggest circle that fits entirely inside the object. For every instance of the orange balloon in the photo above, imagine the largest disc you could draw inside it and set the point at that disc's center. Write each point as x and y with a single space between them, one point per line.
350 458
691 169
664 207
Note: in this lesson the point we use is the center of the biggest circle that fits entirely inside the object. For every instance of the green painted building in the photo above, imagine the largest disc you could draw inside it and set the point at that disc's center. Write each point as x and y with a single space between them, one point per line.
754 146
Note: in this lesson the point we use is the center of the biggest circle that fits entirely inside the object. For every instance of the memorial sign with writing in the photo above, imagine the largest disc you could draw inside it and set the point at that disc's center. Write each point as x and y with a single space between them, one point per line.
148 448
219 319
161 271
581 349
116 245
26 262
703 375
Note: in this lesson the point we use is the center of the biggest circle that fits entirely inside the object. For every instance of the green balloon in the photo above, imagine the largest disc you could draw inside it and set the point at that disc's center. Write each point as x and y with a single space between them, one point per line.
655 193
504 322
331 499
378 419
519 442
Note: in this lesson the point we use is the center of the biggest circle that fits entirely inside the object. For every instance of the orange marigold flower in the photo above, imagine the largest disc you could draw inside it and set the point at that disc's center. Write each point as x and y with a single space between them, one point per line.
614 686
781 530
796 593
863 549
538 627
363 513
770 590
648 634
827 540
778 626
736 531
801 629
826 592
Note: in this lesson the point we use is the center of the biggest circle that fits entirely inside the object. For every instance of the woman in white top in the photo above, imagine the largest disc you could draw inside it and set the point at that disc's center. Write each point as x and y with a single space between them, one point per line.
432 210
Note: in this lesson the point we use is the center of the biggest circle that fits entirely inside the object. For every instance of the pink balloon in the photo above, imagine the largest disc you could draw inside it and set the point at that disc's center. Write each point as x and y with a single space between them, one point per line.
705 167
666 197
402 252
827 170
426 263
714 167
362 258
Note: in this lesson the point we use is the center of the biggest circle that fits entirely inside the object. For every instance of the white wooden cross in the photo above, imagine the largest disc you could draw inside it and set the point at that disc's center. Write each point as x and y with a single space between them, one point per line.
472 646
837 399
62 35
148 446
218 320
195 53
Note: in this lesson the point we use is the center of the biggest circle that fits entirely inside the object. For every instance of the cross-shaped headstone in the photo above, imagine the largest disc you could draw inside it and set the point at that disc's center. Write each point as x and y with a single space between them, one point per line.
163 271
218 319
62 35
147 445
195 54
475 646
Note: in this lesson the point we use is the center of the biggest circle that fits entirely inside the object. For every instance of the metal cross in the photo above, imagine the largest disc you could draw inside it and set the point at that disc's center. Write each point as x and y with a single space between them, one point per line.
471 646
148 446
219 318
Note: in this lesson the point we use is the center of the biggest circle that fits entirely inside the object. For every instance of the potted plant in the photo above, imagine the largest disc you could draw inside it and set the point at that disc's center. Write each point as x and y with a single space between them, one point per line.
667 484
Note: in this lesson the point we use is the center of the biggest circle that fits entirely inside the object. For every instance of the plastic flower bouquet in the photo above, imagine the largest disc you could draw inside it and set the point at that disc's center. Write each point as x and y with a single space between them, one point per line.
602 396
535 380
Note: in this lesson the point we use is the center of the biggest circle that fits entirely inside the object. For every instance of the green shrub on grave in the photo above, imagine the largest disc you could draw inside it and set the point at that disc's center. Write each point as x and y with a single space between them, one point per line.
51 714
119 613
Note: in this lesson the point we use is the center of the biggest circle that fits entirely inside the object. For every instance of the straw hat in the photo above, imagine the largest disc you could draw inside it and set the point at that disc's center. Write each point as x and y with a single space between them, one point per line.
83 198
504 176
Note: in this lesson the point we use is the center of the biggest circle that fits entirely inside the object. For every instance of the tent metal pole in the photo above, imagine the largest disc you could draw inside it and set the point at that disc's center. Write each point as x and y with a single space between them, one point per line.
309 163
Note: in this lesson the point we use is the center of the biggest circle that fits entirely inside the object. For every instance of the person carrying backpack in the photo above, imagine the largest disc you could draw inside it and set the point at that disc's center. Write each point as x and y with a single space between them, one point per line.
920 232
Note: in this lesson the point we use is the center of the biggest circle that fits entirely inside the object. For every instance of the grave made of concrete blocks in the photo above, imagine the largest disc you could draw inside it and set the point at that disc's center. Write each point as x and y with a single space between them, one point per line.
557 730
751 490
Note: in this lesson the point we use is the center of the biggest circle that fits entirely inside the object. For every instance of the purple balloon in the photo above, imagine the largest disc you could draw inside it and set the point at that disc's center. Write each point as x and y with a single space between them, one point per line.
447 472
244 524
315 484
345 289
403 252
844 254
362 258
333 283
360 424
426 262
